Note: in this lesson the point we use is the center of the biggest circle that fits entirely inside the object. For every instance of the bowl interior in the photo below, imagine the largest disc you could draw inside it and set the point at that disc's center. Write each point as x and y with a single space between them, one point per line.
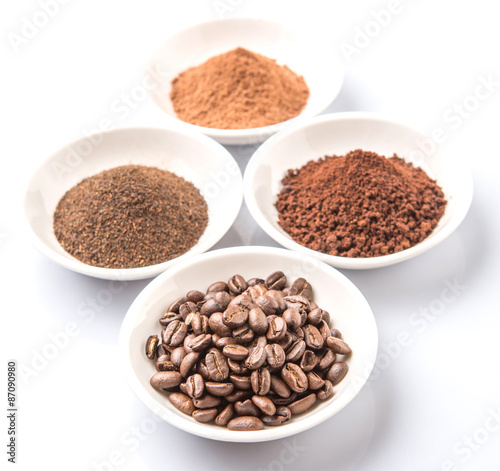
195 45
337 135
349 310
196 158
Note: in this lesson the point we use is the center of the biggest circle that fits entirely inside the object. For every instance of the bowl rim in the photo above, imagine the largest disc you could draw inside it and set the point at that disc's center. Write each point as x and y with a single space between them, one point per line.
258 134
335 260
140 304
127 274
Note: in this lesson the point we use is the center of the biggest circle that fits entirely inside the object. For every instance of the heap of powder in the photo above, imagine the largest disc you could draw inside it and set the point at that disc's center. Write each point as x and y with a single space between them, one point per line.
359 205
237 90
130 216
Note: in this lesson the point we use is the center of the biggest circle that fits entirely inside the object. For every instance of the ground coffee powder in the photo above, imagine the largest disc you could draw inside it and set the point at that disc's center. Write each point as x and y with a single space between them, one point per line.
359 205
130 216
236 90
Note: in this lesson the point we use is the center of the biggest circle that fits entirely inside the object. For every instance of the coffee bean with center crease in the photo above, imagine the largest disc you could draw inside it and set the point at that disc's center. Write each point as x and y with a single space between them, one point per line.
151 345
257 320
168 317
164 363
315 380
275 355
237 368
217 286
219 389
225 415
166 379
174 334
174 307
195 385
222 297
206 402
255 291
277 330
282 415
187 308
261 381
296 350
243 334
237 284
338 346
188 363
268 304
312 337
223 341
205 415
326 359
211 306
283 401
246 407
276 280
200 342
326 391
279 298
199 324
245 423
324 330
256 358
235 352
235 316
243 300
217 325
308 361
264 404
217 366
301 287
297 302
337 372
302 405
255 281
182 402
294 377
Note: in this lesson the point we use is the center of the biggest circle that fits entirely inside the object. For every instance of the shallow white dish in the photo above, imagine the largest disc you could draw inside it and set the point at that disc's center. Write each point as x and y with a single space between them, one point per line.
195 157
333 292
338 134
195 45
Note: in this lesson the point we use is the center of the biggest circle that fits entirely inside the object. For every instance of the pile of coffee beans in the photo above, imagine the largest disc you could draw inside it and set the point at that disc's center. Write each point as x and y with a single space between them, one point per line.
247 353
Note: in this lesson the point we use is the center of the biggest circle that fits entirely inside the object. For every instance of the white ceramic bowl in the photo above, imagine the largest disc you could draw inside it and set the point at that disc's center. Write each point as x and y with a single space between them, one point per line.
195 157
338 134
350 313
195 45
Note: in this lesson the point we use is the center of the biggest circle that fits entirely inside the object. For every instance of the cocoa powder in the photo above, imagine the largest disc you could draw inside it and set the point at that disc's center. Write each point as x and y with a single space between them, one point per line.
359 205
236 90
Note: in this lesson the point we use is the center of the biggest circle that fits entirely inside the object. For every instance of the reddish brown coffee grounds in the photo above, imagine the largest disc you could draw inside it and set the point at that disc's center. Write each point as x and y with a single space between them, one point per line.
236 90
130 216
359 205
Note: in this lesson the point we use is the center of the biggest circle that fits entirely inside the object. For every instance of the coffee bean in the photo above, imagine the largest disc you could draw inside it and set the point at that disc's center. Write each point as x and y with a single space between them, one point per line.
195 386
336 333
326 359
326 391
245 423
211 306
199 324
236 367
308 361
315 316
292 318
187 308
277 330
217 366
243 300
283 401
237 284
261 381
187 341
182 402
256 291
268 304
275 355
223 341
243 334
219 389
162 350
166 379
315 380
312 337
206 402
151 345
205 415
235 352
200 342
239 395
337 372
276 280
296 350
235 316
222 297
163 363
168 317
217 325
279 386
182 388
301 287
255 281
195 296
246 407
201 368
298 332
302 405
282 415
256 358
225 415
297 302
287 340
240 382
324 330
173 335
178 355
174 307
338 346
294 377
264 404
188 363
217 286
278 297
258 321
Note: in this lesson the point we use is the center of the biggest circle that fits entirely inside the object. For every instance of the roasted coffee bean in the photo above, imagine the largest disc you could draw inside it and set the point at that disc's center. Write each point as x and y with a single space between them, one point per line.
162 350
195 386
326 391
312 337
240 382
182 402
296 350
278 297
246 407
255 281
308 361
195 296
326 359
217 325
201 368
279 386
301 287
337 372
173 335
217 366
298 332
174 307
294 377
236 367
178 355
199 324
151 344
187 308
292 318
315 316
261 381
302 405
219 389
255 291
245 423
235 352
264 404
225 415
211 306
215 339
237 284
276 280
206 402
166 379
338 346
187 342
164 363
324 330
315 380
222 297
182 388
188 363
288 339
275 355
205 415
256 358
239 395
243 300
268 304
282 415
277 330
168 317
200 342
336 333
297 302
258 321
283 401
223 341
260 341
217 286
235 316
243 334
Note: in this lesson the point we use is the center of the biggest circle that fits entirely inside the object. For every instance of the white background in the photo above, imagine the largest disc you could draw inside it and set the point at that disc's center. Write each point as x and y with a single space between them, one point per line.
433 403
